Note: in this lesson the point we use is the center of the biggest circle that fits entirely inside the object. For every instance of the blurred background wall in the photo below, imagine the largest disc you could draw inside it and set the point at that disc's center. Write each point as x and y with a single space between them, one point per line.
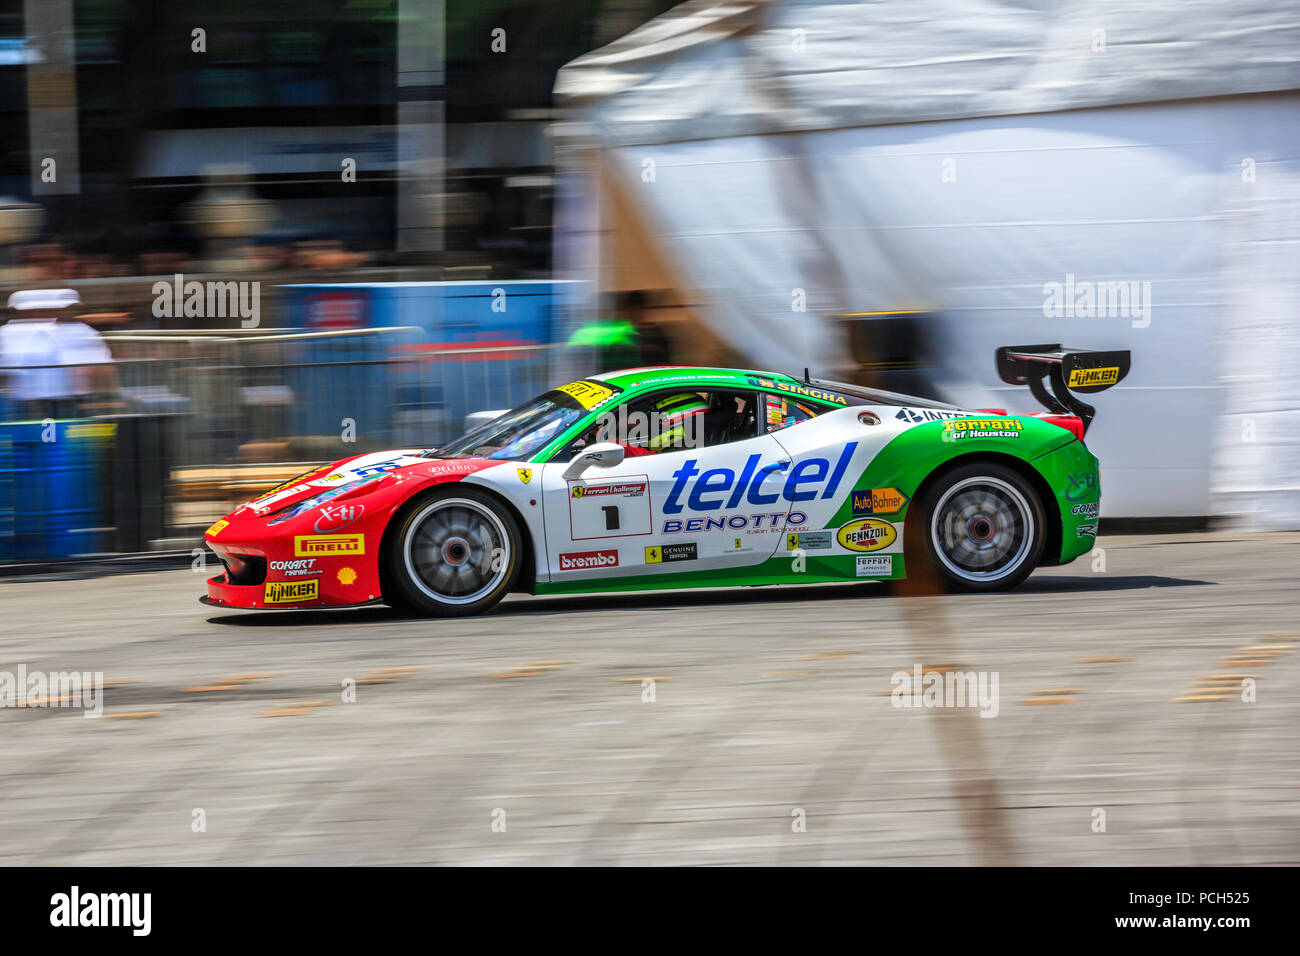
804 170
438 202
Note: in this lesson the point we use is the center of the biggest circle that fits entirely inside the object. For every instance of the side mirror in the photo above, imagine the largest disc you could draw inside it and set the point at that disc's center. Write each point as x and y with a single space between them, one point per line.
605 454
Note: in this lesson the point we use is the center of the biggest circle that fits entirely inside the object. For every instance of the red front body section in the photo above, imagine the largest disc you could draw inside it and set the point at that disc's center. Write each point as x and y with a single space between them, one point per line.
288 549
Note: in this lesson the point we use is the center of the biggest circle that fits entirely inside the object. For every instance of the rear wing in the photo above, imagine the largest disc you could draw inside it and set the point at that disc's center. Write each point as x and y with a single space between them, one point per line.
1067 370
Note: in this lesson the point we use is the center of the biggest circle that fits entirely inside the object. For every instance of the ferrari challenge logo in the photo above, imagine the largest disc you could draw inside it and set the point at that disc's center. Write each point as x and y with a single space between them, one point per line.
329 545
292 592
525 474
1084 377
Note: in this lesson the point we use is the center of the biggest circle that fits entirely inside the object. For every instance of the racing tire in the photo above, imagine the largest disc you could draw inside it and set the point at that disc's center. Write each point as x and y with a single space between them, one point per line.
455 551
977 527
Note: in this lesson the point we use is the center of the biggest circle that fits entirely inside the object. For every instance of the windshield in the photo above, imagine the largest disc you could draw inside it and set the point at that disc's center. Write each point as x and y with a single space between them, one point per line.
521 432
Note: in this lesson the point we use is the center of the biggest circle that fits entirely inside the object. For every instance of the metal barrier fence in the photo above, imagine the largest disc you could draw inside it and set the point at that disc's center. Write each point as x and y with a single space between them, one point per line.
207 416
372 388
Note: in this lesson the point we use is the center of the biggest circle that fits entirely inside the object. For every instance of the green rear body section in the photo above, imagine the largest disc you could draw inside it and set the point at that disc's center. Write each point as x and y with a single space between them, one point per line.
1060 467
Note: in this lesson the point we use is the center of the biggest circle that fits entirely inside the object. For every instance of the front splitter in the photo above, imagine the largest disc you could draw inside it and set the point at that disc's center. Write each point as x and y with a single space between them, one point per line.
288 607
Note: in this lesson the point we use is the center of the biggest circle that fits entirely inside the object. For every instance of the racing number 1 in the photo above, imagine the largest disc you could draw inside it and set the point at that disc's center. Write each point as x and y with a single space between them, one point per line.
611 517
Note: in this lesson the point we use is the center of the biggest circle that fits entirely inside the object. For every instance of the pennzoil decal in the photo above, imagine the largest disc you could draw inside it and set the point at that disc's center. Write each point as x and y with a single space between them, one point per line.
867 534
291 592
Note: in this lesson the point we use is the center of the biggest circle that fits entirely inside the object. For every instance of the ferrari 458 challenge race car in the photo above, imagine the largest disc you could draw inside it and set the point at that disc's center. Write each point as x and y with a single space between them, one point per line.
688 477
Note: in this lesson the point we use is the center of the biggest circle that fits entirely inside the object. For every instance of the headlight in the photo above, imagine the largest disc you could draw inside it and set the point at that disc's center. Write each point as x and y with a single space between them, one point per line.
283 485
292 511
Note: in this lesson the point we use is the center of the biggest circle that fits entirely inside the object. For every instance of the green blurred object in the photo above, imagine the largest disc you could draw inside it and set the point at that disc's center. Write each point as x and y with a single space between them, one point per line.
604 334
616 342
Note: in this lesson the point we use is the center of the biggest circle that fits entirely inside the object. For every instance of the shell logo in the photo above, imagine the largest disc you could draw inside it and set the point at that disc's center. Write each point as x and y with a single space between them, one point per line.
347 576
867 534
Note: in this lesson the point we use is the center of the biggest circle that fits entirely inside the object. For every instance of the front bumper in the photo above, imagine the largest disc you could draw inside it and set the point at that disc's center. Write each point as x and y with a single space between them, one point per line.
211 601
272 574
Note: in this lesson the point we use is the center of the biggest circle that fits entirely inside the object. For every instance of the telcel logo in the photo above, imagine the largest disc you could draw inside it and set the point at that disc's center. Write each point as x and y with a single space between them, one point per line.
802 483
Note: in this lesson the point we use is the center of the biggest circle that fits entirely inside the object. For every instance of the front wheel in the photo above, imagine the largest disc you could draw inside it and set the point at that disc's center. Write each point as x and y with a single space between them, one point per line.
979 527
456 552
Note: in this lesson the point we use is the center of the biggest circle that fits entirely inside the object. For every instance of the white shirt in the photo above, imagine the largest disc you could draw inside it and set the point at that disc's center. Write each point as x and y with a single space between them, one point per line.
25 343
79 345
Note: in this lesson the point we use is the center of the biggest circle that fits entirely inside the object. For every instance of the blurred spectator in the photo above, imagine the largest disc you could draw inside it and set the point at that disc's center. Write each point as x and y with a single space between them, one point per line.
325 254
45 262
652 344
163 263
53 367
631 341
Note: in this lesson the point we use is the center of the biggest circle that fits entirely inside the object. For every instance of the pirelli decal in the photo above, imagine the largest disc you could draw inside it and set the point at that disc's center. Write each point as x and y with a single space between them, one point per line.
329 545
292 592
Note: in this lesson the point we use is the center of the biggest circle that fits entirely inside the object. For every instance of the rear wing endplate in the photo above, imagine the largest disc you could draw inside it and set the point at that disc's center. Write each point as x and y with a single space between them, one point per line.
1066 370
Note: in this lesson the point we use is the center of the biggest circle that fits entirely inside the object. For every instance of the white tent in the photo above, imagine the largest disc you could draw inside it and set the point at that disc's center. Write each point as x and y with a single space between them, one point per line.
965 157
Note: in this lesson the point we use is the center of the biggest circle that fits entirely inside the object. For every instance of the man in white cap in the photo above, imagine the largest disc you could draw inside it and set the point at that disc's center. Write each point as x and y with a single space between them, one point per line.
46 365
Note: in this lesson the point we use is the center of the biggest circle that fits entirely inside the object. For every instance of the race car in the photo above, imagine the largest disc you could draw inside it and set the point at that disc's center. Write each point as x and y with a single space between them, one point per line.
677 477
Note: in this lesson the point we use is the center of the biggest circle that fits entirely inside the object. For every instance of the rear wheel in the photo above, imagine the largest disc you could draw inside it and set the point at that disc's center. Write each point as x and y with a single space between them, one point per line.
456 552
979 527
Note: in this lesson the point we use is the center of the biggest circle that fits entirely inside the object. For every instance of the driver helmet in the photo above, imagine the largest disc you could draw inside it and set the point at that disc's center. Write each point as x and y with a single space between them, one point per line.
680 420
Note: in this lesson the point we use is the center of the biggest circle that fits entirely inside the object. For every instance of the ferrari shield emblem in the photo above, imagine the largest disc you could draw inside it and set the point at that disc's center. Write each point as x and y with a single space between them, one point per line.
525 474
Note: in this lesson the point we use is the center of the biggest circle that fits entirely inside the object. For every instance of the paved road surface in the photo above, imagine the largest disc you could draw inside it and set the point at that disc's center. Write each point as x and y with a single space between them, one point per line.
768 711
